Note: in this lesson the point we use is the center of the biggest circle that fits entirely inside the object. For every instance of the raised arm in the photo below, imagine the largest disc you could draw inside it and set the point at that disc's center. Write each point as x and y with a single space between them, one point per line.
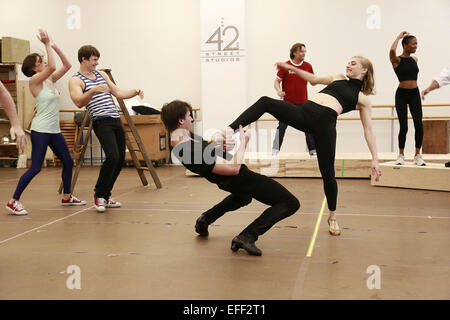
393 50
119 93
231 167
66 64
311 77
8 105
37 79
365 112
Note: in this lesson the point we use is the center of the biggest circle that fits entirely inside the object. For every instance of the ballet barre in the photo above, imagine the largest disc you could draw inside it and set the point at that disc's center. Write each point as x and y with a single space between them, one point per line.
391 118
373 118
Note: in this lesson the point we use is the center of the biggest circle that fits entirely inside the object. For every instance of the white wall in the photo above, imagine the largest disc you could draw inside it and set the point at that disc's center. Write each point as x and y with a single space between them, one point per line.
155 44
333 32
148 44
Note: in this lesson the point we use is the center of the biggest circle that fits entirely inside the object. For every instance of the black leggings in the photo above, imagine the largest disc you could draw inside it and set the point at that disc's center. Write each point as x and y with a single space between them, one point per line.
411 97
248 185
307 117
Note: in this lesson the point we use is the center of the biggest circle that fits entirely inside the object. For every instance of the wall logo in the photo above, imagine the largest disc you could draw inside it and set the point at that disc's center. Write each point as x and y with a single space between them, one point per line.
222 45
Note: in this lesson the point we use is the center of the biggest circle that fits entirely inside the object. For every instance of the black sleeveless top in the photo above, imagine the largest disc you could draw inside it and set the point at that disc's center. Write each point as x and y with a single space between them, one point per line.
199 156
407 69
346 92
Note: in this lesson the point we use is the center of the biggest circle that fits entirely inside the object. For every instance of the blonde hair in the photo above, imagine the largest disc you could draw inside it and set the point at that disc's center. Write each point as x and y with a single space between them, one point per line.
368 81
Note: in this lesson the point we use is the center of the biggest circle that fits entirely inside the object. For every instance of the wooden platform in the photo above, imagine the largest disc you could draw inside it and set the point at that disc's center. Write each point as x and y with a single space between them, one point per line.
301 165
433 176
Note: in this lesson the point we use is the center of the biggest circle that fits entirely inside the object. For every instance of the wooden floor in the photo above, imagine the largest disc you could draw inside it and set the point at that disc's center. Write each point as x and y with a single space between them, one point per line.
147 249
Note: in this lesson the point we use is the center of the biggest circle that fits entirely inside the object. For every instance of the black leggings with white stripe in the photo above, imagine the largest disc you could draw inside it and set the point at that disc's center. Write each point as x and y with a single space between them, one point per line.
307 117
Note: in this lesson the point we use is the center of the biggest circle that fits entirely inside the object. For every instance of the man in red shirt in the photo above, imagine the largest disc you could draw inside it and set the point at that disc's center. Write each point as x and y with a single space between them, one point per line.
294 91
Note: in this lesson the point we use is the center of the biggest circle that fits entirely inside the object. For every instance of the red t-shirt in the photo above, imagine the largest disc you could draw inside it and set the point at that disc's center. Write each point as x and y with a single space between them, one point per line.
294 86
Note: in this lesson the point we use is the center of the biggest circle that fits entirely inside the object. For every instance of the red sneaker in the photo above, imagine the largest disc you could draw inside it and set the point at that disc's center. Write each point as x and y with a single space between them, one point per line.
99 204
72 201
16 208
110 203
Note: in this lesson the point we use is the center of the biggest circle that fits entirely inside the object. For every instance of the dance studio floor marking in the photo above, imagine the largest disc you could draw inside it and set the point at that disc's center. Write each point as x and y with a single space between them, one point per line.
66 217
44 225
201 210
300 280
316 229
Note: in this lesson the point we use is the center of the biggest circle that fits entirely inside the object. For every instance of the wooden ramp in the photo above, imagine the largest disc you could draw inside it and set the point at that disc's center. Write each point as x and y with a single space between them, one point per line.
301 165
433 176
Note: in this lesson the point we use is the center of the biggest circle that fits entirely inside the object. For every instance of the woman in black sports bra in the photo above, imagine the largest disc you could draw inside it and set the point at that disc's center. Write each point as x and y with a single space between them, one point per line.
406 69
319 114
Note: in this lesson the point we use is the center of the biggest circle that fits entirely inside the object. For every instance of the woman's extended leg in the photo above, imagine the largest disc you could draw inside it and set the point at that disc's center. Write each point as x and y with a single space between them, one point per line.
293 115
325 138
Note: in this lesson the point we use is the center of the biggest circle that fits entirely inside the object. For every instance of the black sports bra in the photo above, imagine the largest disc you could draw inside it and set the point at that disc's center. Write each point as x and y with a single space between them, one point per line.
346 92
407 69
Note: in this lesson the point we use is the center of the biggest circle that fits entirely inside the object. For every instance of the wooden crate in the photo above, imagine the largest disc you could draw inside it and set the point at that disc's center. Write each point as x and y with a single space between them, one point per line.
433 176
153 134
14 50
436 136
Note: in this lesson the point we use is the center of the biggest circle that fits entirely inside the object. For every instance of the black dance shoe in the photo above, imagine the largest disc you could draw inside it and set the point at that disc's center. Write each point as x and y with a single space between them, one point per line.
243 242
201 227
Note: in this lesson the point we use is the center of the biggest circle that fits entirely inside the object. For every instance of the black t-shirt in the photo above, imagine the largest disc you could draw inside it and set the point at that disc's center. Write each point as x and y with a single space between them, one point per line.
199 156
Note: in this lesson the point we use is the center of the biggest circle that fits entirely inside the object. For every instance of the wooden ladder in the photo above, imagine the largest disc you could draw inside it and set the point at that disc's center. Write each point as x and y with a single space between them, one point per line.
132 139
79 149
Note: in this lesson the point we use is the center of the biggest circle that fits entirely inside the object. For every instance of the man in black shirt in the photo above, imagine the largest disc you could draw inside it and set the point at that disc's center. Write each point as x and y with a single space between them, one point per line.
209 160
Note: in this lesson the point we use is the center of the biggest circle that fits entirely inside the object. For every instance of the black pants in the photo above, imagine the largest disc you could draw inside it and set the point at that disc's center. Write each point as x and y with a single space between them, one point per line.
279 137
109 132
411 97
310 117
248 185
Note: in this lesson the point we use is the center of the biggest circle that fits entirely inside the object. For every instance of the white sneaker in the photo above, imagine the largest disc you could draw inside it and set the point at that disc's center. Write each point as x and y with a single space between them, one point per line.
400 159
275 153
100 204
418 160
110 203
16 208
73 201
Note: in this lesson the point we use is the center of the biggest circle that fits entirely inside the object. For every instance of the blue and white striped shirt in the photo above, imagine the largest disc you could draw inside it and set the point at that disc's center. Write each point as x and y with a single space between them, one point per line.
101 104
